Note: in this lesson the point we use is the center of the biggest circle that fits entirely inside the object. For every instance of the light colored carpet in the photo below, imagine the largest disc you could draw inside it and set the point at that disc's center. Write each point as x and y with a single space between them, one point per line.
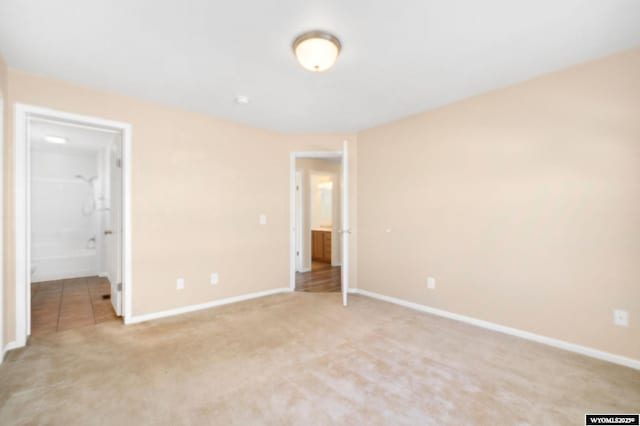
302 358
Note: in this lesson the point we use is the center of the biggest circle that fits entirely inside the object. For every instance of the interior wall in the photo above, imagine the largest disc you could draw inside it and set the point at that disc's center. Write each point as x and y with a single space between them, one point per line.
306 166
61 222
523 203
508 193
199 185
322 214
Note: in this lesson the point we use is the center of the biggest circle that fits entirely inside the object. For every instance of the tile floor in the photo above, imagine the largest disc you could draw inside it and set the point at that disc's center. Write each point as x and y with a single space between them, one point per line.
71 303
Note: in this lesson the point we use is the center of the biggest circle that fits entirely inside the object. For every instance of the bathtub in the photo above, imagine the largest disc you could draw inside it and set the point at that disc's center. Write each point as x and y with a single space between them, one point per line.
54 262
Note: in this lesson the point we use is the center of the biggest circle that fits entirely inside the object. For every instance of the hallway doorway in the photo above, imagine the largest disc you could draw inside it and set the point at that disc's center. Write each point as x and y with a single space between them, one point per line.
318 202
321 278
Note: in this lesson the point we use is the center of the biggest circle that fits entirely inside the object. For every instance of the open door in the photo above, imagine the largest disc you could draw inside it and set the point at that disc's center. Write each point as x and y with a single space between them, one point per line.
299 211
113 232
346 232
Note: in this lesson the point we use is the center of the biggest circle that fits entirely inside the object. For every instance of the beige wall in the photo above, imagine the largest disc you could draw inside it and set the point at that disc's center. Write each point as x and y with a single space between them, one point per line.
523 203
306 166
199 185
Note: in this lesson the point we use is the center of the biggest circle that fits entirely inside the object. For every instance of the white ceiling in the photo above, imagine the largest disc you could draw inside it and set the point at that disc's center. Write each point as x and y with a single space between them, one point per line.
83 141
399 57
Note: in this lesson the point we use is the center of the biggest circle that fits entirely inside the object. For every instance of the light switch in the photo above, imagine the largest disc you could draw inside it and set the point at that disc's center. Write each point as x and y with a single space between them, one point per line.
431 283
263 219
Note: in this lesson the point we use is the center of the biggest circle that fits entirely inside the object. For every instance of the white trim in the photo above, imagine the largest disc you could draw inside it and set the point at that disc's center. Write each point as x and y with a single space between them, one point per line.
76 125
292 222
300 250
344 223
9 346
127 253
317 154
213 303
556 343
22 226
2 141
292 204
22 272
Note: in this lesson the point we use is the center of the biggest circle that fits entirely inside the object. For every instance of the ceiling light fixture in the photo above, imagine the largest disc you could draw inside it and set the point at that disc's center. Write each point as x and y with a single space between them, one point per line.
316 51
55 139
242 100
325 185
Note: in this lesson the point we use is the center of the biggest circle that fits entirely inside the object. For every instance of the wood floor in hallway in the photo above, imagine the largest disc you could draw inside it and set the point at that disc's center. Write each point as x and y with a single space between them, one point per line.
71 303
322 278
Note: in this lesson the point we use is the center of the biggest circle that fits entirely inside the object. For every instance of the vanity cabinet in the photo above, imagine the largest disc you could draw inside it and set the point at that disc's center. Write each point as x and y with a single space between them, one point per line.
321 246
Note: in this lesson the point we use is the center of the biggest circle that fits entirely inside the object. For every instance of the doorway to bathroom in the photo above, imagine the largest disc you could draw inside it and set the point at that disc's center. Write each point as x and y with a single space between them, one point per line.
318 224
72 190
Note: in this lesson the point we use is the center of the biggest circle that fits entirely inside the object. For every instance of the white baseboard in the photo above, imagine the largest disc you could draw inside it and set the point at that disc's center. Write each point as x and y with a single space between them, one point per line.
103 274
9 346
213 303
305 269
561 344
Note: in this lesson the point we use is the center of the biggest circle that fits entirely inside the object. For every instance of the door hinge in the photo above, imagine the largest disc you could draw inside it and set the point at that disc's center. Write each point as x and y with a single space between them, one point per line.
297 188
119 287
119 163
297 253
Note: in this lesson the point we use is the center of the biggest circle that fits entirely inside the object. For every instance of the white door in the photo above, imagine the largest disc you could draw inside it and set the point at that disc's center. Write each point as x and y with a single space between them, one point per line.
113 230
1 230
299 244
346 232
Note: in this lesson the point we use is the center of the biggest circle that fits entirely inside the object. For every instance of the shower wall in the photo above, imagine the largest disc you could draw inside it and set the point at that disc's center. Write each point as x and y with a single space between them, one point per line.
62 224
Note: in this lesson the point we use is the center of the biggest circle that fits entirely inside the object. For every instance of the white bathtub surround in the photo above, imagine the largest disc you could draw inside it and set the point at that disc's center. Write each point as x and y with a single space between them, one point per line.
68 187
57 264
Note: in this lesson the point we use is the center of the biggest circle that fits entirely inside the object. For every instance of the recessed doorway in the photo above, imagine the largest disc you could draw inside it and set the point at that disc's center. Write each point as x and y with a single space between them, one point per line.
72 201
75 189
318 211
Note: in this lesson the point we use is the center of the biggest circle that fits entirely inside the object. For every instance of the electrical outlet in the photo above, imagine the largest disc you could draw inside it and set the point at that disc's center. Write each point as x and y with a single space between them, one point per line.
180 284
214 278
621 318
431 283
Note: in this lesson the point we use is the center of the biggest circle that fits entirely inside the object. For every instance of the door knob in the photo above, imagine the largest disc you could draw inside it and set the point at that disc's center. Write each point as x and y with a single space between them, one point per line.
108 232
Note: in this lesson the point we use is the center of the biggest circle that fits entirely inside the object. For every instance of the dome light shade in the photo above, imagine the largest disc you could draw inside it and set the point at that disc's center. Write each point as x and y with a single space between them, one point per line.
316 51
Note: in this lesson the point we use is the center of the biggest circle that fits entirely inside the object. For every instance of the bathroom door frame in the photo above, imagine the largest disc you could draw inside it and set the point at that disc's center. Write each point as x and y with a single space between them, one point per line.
336 213
343 155
300 249
3 344
23 114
